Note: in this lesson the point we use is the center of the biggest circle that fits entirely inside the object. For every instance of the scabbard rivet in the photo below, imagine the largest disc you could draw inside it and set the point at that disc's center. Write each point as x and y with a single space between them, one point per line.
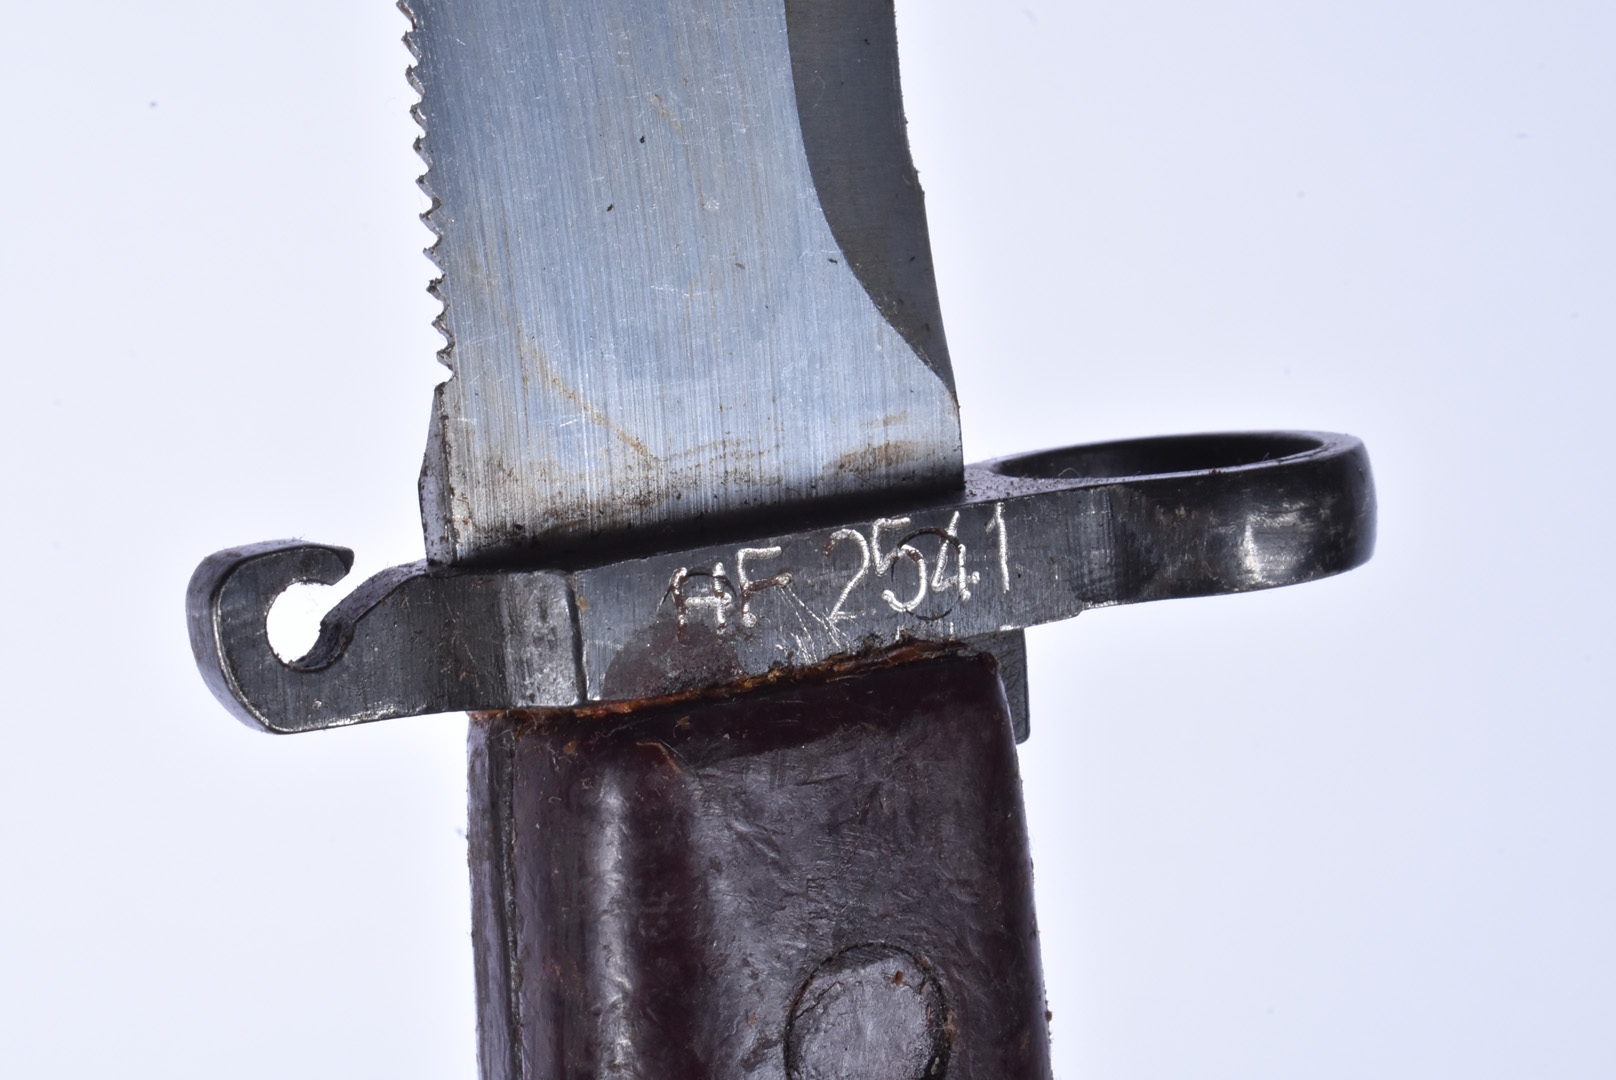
871 1012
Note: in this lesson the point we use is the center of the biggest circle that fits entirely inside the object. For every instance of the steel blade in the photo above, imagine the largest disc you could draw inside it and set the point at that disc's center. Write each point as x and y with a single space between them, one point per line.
686 276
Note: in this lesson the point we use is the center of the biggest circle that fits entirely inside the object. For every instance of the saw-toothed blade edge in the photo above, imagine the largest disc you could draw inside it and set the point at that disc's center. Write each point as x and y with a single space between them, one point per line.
665 306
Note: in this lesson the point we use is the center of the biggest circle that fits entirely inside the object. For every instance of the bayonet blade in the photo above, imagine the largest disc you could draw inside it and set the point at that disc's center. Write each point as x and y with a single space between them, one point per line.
686 276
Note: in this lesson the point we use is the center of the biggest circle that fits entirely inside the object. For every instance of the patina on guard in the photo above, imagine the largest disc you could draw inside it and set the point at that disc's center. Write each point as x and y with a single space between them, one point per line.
741 635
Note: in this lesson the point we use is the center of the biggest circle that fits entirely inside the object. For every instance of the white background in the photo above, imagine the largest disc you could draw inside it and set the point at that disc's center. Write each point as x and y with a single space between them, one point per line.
1361 828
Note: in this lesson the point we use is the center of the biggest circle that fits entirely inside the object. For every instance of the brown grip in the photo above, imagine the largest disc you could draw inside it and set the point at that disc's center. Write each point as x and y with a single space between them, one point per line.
820 879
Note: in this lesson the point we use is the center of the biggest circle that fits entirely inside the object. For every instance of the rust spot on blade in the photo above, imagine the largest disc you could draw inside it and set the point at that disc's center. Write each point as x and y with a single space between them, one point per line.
889 420
542 365
880 458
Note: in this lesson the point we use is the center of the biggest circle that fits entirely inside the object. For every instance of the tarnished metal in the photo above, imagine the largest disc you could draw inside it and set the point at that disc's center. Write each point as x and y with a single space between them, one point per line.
686 275
1033 539
696 478
404 643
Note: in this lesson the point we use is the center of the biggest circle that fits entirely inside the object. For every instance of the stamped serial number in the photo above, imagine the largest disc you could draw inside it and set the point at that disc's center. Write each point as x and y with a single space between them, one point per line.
891 548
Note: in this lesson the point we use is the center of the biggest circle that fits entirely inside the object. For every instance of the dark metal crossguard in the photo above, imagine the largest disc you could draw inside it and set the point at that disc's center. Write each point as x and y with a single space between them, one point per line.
1031 539
695 495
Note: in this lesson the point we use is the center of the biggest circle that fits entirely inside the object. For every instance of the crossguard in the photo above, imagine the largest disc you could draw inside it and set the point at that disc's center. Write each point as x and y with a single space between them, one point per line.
1032 539
405 642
